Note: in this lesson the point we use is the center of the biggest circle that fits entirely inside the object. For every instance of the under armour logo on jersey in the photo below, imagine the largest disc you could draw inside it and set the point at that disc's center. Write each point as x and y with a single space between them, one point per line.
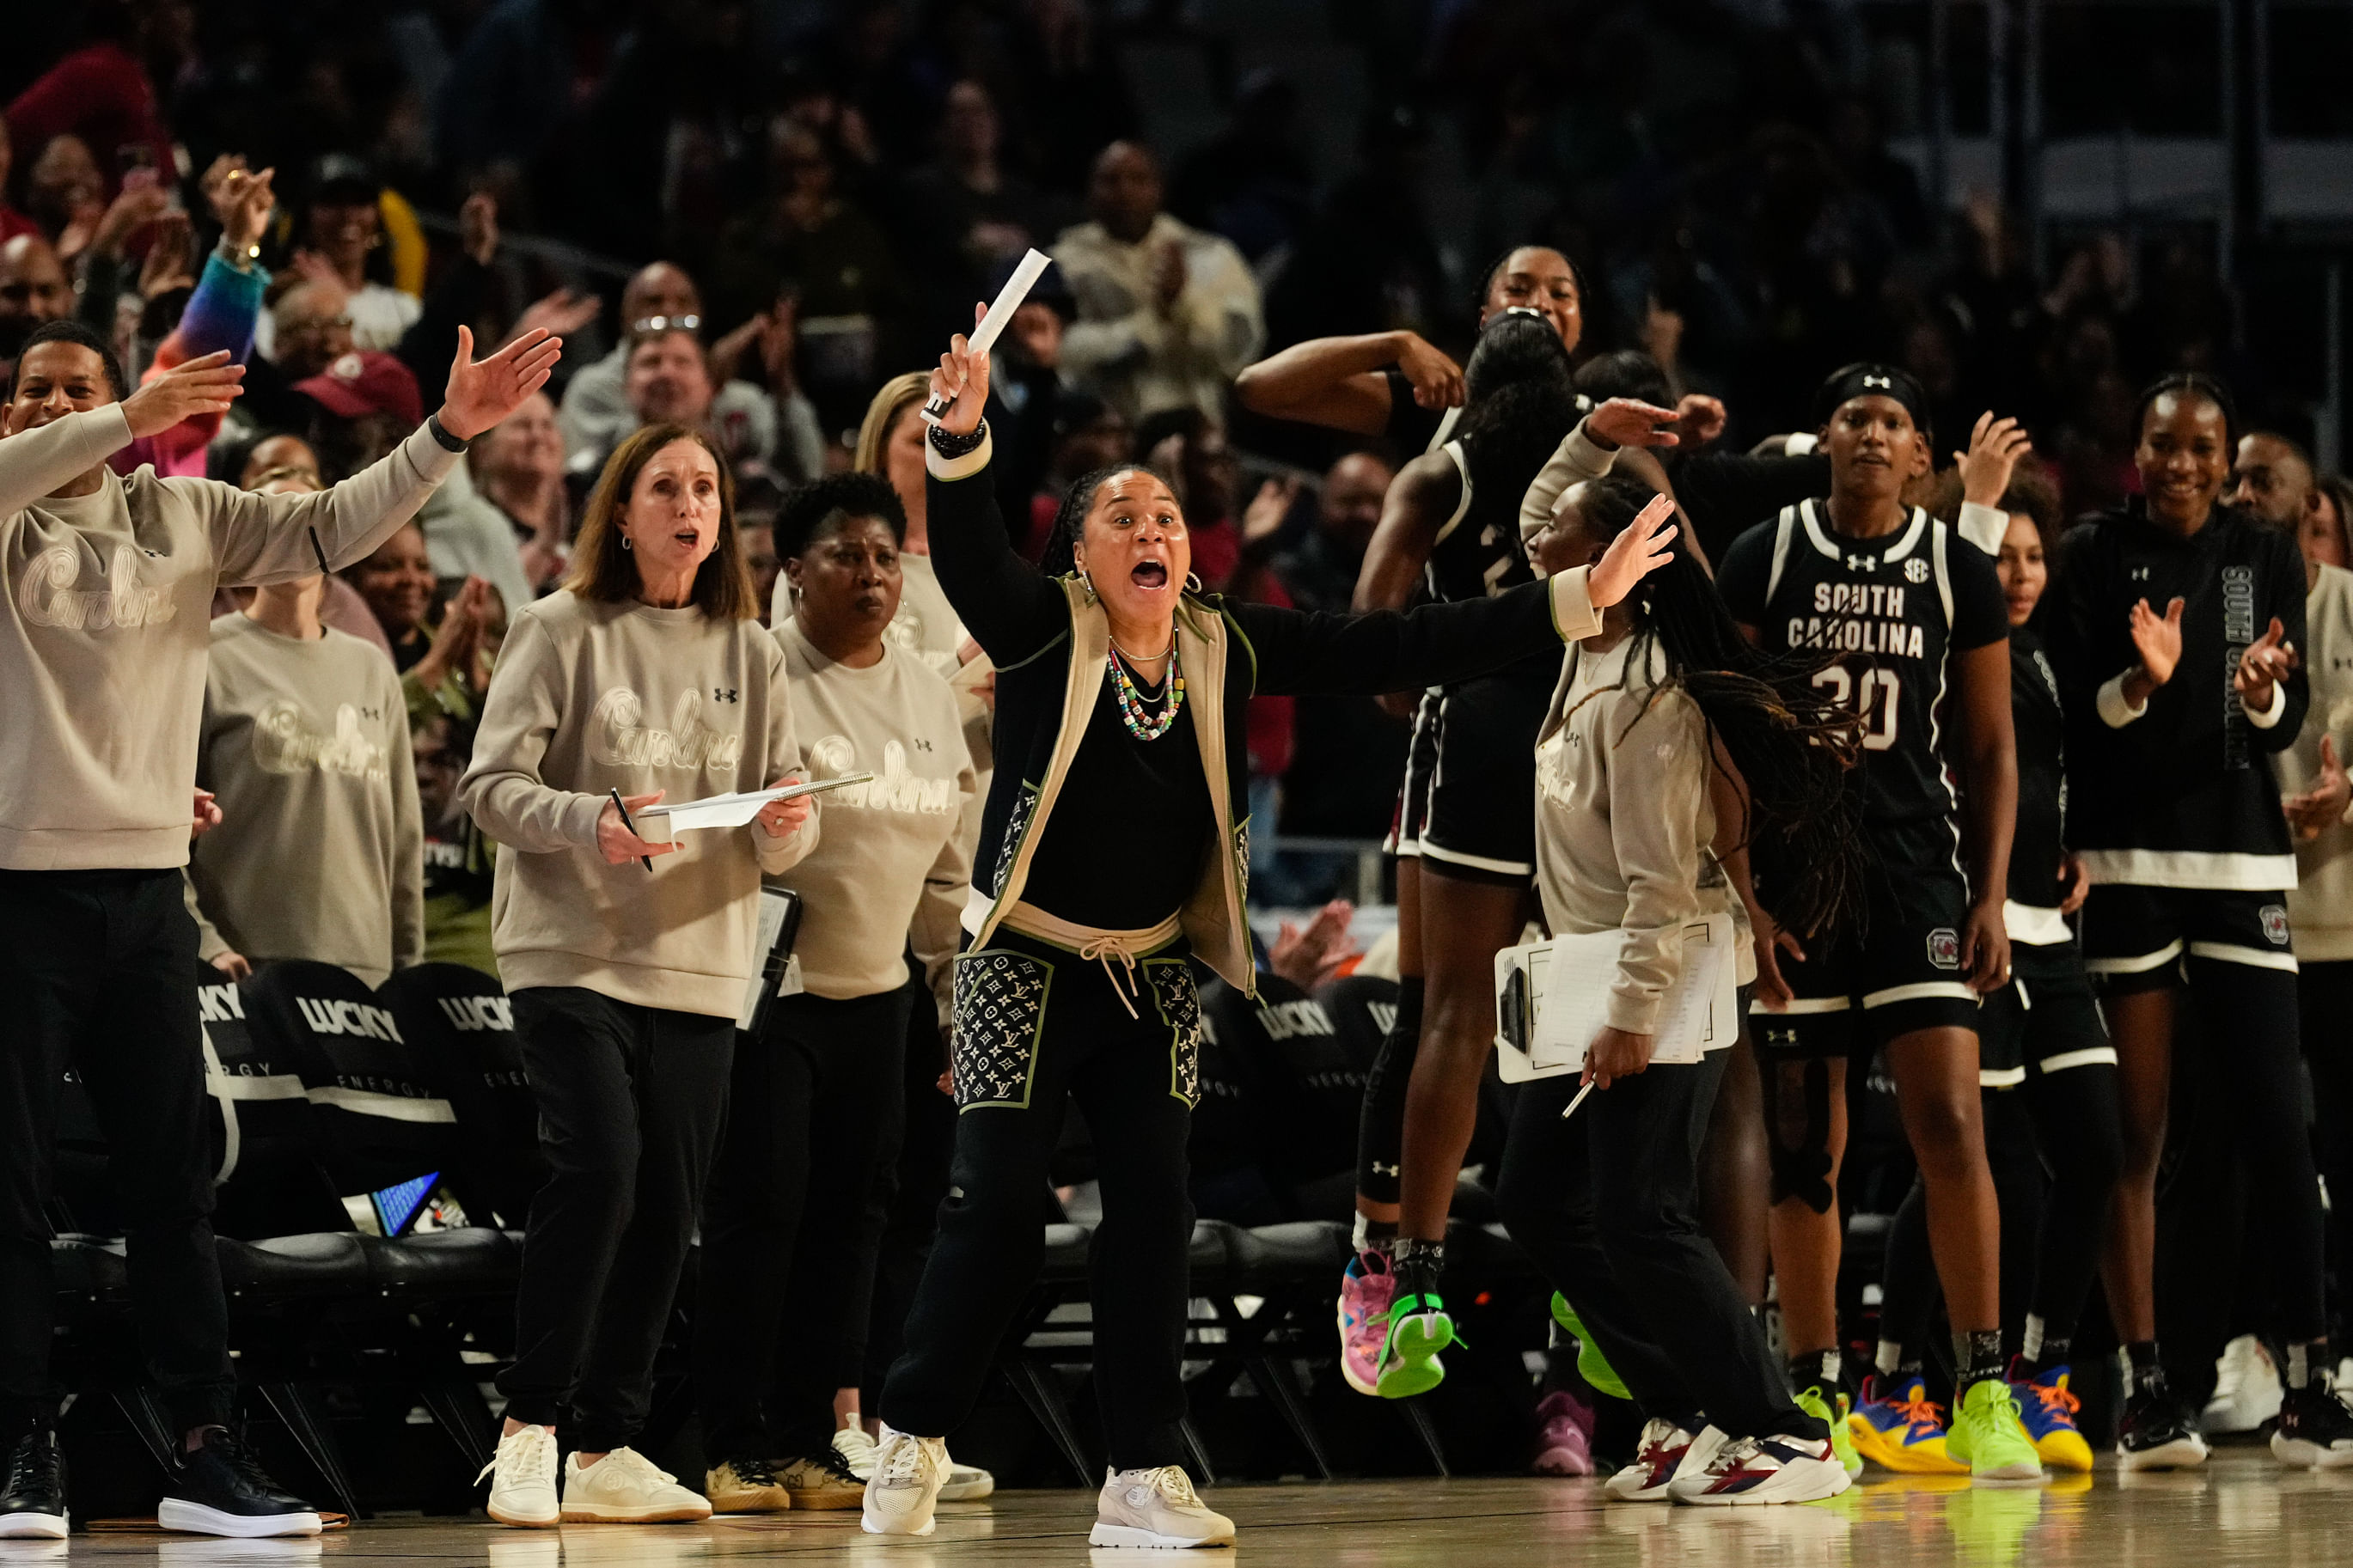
724 693
1916 570
1863 563
1879 381
2139 573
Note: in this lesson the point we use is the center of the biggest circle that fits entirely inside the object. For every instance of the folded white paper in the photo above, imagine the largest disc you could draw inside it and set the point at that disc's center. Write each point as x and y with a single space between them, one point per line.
736 810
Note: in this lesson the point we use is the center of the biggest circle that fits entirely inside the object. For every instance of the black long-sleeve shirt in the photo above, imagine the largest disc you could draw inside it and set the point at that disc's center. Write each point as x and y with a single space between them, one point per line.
2182 794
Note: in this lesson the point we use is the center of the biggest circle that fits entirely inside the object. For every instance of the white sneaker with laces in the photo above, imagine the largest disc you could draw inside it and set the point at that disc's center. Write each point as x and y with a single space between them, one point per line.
1156 1507
857 1451
965 1483
1666 1453
2247 1388
903 1493
626 1487
523 1480
1778 1468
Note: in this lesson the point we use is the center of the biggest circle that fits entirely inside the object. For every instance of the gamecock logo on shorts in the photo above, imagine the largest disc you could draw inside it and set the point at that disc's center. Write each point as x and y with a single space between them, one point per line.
1945 948
2274 919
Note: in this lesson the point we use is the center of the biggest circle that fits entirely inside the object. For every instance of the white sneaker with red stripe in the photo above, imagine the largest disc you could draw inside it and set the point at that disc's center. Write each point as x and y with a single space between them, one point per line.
1667 1451
1778 1468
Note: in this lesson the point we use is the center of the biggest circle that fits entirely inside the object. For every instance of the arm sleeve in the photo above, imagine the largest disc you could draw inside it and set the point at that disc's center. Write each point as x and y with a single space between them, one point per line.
407 830
1742 575
503 790
1980 615
1578 457
1297 652
220 315
261 539
1009 608
1983 525
778 856
937 933
1657 785
37 461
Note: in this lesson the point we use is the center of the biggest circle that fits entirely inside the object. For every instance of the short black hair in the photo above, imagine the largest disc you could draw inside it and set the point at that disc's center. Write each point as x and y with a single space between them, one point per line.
1629 373
821 505
2197 383
69 330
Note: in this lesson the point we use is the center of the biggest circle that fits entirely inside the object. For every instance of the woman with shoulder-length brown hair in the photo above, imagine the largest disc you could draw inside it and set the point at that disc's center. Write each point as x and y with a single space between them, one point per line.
644 678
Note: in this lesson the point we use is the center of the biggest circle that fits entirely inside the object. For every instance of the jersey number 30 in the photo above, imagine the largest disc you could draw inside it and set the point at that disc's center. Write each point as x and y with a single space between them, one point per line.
1874 697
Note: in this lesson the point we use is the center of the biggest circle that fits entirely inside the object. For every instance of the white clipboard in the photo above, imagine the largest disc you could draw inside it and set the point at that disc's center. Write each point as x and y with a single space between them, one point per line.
1553 997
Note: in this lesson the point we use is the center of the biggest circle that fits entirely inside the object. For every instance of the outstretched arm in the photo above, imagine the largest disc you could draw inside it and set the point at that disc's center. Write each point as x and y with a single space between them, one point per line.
1337 381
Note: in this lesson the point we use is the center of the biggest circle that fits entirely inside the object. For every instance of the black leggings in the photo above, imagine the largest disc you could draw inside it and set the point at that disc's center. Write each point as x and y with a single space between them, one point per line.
813 1116
1380 1127
1607 1203
2062 1124
630 1099
2325 1010
1035 1023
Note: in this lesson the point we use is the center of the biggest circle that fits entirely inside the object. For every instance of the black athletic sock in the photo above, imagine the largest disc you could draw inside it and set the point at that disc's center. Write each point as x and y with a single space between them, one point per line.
1418 1264
1976 1355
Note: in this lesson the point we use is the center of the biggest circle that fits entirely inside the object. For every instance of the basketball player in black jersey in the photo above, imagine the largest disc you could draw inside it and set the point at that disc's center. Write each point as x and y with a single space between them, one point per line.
1920 617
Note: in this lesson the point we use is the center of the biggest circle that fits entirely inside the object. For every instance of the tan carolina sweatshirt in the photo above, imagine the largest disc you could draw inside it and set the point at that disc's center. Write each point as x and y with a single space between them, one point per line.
106 624
2320 907
1623 820
592 696
894 866
320 851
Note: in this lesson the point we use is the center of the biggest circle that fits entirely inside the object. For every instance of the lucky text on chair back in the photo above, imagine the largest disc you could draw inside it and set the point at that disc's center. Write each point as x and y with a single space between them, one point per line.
460 1023
376 1116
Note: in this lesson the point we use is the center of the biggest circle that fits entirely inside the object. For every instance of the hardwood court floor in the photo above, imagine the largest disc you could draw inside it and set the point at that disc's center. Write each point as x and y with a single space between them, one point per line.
2242 1508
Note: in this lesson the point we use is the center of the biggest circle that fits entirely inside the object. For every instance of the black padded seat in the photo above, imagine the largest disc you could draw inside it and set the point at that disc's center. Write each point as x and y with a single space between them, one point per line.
444 1264
325 1263
89 1271
1270 1258
1065 1261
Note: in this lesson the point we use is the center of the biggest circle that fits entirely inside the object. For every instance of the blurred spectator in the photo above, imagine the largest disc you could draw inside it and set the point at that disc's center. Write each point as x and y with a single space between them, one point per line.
1342 777
965 214
1168 315
1071 98
34 291
12 222
518 466
318 854
1369 260
1249 182
757 534
101 94
825 249
343 237
1859 148
1088 434
64 193
289 458
597 413
2272 478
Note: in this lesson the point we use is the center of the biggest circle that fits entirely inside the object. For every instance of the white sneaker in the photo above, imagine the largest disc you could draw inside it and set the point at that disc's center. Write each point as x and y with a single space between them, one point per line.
1666 1452
965 1483
1156 1507
857 1451
523 1480
626 1487
1779 1469
905 1486
2246 1388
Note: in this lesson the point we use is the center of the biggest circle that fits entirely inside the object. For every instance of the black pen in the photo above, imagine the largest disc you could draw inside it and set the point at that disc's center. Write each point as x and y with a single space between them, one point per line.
645 860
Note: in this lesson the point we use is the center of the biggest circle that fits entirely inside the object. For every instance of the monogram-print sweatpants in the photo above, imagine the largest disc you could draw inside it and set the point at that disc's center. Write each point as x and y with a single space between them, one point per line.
1036 1023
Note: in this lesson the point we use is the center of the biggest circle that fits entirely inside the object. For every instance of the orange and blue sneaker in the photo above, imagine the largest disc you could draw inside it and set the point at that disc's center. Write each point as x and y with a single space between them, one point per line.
1366 1291
1901 1430
2046 1408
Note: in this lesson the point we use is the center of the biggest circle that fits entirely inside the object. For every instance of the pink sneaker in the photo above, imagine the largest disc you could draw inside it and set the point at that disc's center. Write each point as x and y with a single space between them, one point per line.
1366 1291
1564 1436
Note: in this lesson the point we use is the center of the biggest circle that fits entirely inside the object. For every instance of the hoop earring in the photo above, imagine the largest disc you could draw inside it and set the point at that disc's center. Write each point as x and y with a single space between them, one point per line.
1193 584
625 543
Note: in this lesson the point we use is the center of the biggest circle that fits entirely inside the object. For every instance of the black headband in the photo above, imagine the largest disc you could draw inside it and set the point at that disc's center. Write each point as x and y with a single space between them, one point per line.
1866 380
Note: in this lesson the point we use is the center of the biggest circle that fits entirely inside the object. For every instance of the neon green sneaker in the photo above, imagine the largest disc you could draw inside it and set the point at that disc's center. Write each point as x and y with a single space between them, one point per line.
1988 1435
1418 1330
1591 1364
1831 1410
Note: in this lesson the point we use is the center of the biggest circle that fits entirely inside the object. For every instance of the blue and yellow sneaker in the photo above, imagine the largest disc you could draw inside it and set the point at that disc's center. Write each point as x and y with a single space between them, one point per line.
1829 1406
1901 1430
1418 1330
1591 1364
2046 1408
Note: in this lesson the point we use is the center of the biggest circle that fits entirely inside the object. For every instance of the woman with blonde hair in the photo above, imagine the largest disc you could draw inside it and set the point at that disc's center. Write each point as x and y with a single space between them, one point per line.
644 678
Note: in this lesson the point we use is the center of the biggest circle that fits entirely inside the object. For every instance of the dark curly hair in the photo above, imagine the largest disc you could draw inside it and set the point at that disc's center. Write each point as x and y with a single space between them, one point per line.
1787 741
814 509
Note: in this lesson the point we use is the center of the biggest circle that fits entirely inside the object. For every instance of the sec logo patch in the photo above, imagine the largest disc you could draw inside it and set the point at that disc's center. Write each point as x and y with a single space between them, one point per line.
2274 919
1916 570
1945 948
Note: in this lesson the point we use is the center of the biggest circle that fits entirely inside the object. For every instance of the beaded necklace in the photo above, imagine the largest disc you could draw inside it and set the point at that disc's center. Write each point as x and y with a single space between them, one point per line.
1140 721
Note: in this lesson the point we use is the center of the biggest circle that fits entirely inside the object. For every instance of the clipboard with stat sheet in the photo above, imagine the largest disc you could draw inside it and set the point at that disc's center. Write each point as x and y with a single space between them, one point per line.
778 971
1552 996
